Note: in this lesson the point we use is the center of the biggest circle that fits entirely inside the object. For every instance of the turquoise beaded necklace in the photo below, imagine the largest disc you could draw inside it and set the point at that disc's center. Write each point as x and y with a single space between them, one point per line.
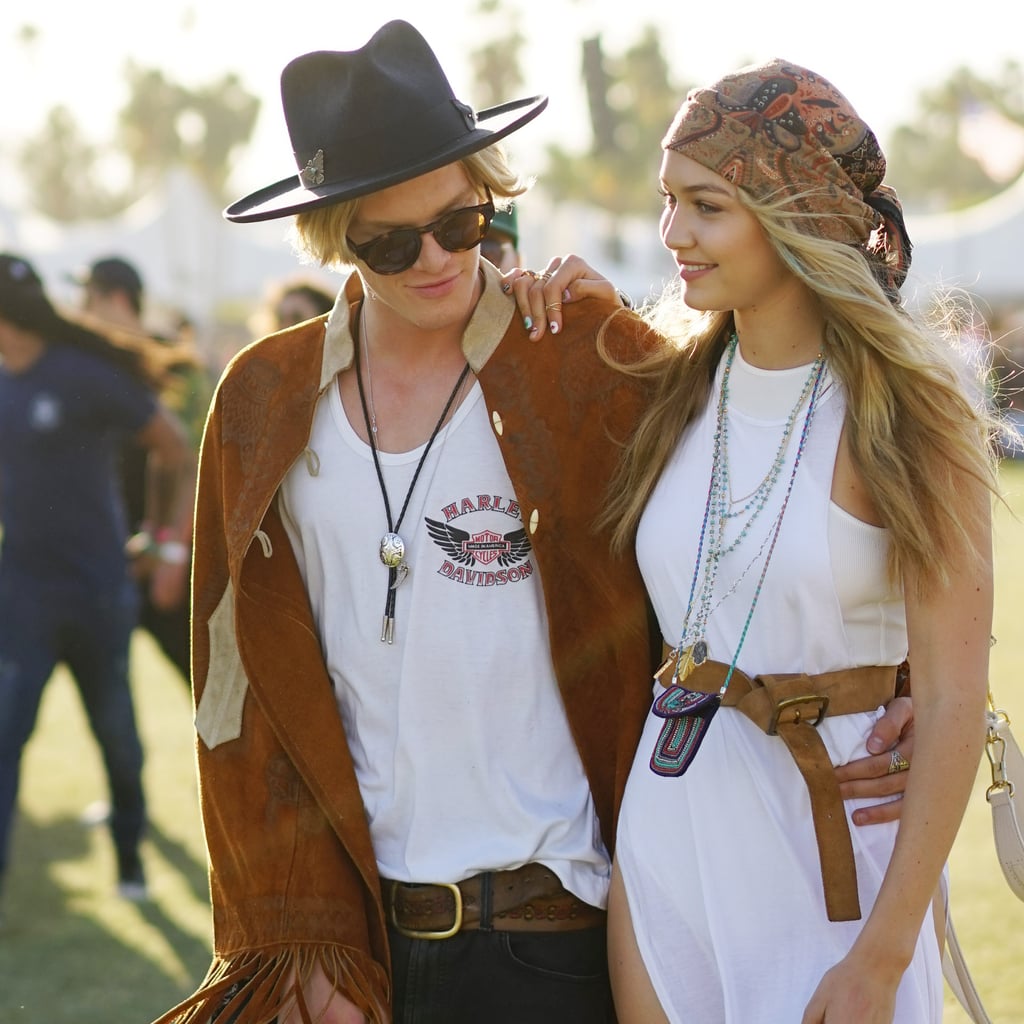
718 514
689 712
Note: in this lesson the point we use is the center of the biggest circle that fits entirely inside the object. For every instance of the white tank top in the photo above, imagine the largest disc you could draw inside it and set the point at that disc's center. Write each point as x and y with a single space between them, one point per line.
849 614
461 745
742 811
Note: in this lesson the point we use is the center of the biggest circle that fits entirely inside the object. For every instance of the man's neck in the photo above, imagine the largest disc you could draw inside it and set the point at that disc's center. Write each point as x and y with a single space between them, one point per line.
409 374
394 345
404 347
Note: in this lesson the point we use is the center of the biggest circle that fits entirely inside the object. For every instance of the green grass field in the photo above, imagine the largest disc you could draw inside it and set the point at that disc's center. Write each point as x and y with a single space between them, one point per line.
73 953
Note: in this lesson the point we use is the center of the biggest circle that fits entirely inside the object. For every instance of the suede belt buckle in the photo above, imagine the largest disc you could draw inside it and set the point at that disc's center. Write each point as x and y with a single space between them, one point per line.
795 704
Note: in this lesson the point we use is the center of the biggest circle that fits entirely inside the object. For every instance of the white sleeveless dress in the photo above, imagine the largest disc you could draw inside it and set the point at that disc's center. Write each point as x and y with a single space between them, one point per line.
720 865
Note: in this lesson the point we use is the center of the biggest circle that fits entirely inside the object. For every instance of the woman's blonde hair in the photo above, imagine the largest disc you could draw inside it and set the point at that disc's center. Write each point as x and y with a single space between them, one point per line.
914 426
320 235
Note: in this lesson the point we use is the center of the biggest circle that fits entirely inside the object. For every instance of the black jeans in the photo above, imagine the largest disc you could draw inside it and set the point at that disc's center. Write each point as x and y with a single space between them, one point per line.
88 630
502 977
491 977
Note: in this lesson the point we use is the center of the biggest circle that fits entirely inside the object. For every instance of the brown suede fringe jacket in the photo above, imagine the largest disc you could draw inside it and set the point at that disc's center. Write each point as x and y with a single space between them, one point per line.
293 877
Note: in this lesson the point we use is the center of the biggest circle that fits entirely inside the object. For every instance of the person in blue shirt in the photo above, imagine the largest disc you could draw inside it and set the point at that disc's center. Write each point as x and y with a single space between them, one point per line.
69 397
113 292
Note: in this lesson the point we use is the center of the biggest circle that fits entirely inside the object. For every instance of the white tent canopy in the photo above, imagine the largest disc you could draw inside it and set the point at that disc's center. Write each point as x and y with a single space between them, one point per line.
191 259
978 249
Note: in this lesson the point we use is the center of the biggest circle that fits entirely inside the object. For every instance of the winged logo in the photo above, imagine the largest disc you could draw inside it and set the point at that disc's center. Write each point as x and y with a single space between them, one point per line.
480 548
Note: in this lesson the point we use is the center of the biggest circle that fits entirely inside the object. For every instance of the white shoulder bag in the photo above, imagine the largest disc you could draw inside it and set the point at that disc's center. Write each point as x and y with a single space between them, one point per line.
1006 798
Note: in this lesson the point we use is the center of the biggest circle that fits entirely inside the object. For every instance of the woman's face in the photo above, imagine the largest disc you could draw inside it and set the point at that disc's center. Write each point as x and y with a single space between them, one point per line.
724 257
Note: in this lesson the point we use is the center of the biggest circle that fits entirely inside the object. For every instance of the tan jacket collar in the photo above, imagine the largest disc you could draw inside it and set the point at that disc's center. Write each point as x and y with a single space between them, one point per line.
485 330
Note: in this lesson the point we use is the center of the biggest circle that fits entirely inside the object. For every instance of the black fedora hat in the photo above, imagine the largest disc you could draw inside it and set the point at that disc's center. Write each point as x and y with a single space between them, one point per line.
366 119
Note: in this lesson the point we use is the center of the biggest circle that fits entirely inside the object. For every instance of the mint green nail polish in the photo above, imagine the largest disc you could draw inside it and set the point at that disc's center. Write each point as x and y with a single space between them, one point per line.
528 322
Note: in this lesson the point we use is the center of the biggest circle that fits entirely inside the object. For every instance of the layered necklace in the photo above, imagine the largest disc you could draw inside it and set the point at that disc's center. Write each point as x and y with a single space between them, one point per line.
689 712
392 547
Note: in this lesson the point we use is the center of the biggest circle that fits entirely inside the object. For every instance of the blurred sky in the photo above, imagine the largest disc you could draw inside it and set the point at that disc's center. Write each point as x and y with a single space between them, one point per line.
880 55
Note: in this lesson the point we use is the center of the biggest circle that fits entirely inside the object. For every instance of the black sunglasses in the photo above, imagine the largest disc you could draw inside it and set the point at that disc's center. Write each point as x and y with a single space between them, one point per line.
398 250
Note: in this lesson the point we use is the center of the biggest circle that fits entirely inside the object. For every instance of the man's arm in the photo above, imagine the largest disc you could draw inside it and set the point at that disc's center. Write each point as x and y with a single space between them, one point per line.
168 457
871 777
161 549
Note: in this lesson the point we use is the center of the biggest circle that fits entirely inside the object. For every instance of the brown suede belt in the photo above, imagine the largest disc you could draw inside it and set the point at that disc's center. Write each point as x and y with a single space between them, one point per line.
528 899
791 706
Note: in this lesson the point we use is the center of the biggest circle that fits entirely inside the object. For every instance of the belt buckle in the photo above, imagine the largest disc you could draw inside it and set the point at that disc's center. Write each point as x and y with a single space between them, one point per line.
820 699
416 933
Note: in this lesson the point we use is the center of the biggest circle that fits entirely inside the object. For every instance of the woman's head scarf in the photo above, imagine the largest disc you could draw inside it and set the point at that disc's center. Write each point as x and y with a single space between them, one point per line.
780 131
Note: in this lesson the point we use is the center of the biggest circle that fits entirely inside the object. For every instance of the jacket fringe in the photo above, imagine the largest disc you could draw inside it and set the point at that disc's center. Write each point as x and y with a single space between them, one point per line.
258 986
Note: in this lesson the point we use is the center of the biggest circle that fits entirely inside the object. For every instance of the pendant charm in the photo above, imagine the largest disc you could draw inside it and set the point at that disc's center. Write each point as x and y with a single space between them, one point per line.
687 715
690 658
684 666
392 550
401 574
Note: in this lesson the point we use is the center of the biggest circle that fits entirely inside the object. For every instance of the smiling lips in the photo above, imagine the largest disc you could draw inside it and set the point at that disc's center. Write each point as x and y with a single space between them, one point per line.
687 271
432 288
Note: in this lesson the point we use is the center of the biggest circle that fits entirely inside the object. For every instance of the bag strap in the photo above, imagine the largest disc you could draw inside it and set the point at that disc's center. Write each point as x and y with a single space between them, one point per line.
958 977
1006 796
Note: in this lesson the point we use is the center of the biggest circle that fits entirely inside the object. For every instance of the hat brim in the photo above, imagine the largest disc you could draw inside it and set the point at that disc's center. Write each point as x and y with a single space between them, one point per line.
289 196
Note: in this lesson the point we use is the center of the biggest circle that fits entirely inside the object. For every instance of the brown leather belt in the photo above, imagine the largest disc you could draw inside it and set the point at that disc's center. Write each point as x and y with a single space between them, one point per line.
791 706
528 899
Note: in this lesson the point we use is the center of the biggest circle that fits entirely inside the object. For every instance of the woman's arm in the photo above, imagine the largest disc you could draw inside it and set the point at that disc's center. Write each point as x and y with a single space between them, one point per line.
949 631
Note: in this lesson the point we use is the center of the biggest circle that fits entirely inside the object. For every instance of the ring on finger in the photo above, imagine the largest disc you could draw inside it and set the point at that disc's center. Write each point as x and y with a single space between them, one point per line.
897 763
553 305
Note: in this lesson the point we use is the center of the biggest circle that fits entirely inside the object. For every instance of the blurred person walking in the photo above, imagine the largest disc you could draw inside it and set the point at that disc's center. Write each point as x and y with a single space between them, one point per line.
68 398
292 301
114 293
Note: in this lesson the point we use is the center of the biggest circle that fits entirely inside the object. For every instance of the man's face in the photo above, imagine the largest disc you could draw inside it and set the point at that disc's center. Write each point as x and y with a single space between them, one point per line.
110 305
441 288
97 302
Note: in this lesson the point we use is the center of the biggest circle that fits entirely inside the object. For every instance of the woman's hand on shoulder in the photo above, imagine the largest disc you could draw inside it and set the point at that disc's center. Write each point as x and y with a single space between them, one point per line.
543 296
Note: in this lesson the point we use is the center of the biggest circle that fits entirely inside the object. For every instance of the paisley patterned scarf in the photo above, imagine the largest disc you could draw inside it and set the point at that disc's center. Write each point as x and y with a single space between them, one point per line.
780 131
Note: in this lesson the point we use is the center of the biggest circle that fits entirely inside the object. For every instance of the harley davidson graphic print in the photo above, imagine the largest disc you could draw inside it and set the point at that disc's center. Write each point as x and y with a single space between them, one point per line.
469 659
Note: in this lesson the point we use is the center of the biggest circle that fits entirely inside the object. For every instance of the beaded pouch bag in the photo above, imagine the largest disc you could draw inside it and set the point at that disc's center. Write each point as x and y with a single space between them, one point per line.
687 714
